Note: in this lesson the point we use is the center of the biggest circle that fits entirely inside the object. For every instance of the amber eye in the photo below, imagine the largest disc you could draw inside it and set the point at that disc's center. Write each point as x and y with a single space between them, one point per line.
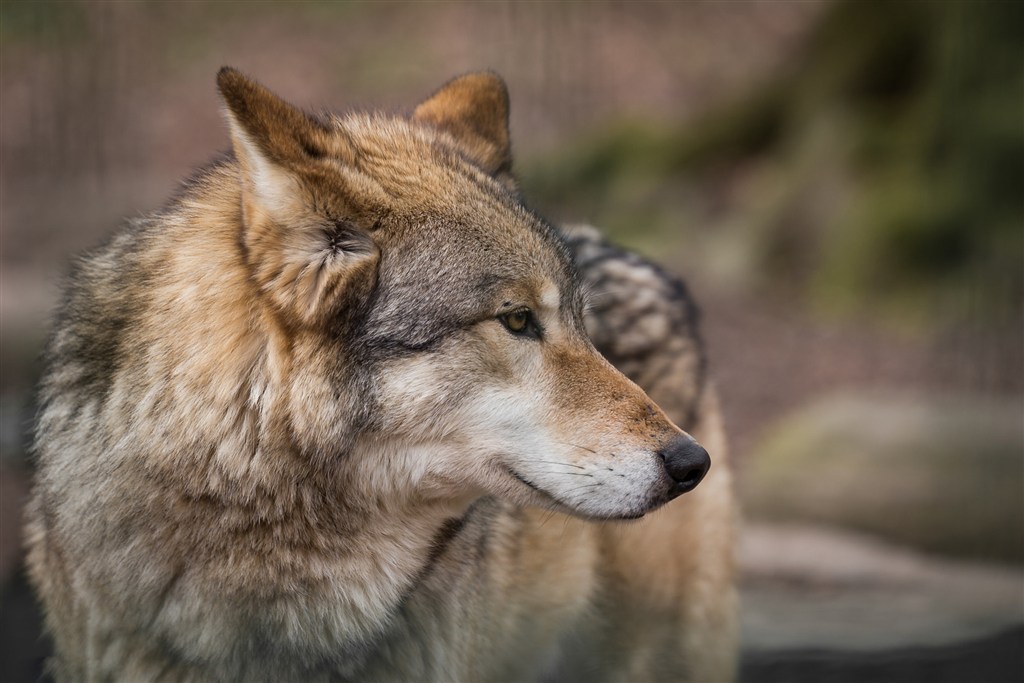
520 321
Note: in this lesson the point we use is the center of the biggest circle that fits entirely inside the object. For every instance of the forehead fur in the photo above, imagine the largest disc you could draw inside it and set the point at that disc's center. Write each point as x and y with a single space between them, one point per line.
416 167
451 237
434 202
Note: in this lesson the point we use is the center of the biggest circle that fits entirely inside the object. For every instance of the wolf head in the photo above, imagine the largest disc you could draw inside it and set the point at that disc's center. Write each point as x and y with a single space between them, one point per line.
429 327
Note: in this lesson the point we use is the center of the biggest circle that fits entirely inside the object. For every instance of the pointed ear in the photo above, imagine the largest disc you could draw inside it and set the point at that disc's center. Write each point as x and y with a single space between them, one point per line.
264 122
270 137
474 110
310 265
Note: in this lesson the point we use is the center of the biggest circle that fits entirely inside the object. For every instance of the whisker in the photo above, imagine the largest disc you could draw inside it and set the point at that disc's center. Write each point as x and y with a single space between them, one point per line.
584 487
567 464
572 474
576 445
548 516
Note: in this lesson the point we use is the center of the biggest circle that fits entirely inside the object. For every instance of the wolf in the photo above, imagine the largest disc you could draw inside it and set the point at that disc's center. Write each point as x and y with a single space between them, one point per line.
336 413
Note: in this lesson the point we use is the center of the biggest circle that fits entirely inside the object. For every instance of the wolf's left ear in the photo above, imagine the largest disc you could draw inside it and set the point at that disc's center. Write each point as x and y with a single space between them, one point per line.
474 110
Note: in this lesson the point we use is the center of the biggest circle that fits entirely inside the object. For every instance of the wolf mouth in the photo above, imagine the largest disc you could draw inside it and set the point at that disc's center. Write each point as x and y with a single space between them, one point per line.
529 483
565 507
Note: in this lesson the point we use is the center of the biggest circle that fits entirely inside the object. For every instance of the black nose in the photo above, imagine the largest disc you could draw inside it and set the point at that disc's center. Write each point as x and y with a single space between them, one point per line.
686 462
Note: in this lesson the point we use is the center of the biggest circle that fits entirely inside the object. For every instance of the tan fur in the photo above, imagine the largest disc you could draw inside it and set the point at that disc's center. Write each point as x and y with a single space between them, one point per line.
474 110
287 434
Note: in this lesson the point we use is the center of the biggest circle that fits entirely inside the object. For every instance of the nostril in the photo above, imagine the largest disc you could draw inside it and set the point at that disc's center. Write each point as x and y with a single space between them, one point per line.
691 478
686 462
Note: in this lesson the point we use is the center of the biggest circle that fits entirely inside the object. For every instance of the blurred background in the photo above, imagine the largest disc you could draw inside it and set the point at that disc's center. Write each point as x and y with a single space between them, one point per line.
841 184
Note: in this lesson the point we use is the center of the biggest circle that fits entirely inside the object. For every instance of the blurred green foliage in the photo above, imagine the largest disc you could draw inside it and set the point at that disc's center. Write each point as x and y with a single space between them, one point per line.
882 172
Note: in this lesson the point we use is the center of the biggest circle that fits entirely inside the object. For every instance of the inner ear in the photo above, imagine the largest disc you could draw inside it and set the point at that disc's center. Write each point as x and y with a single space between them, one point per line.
473 109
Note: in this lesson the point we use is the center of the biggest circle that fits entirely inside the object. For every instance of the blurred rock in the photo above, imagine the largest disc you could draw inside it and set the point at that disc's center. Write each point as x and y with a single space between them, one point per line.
944 475
821 604
808 586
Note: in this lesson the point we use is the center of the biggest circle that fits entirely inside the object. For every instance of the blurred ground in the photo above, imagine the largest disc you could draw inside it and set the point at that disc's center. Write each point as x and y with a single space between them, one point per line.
825 606
105 106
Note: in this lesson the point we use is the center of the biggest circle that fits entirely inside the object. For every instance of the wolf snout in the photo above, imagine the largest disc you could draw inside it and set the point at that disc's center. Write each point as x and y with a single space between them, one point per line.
686 462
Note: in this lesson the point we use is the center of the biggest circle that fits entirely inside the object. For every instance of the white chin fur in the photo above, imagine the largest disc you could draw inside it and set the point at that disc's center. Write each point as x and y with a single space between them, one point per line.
629 485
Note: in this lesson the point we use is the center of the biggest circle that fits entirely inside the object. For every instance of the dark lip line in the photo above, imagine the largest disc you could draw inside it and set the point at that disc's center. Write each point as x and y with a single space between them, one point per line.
529 483
565 507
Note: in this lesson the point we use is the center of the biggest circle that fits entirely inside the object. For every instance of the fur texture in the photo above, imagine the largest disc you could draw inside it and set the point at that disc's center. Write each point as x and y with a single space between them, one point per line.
334 413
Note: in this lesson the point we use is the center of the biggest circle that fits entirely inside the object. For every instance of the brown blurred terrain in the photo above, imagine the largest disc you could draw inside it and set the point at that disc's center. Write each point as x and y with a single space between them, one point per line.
839 182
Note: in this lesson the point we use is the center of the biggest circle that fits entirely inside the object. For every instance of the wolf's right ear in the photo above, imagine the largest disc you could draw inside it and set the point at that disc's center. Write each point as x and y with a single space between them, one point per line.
310 265
473 109
271 138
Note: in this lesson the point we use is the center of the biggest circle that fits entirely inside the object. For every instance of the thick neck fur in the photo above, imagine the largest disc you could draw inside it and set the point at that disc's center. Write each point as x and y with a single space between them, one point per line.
343 544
